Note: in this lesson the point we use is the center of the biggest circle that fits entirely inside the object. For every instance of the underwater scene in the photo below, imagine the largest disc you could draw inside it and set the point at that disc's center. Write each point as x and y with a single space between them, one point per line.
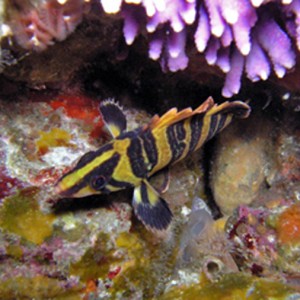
150 149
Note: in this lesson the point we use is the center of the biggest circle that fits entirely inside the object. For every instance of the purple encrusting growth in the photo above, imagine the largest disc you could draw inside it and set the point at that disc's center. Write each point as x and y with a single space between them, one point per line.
236 35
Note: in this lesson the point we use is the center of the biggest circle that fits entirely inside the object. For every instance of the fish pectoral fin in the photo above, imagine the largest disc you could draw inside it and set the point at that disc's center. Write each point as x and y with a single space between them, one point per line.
113 117
166 179
150 208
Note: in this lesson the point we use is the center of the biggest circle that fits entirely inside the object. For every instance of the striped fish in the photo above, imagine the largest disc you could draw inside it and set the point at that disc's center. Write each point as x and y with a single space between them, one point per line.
132 157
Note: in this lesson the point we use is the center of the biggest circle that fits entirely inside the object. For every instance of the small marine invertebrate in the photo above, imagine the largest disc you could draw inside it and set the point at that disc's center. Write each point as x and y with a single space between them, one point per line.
203 242
35 27
255 242
236 36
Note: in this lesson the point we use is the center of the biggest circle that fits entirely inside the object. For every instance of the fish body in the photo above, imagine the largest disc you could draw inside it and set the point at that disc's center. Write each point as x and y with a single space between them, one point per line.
132 157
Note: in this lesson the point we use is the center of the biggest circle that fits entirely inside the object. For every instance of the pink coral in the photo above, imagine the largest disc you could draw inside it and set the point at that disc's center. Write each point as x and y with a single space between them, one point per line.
36 28
235 35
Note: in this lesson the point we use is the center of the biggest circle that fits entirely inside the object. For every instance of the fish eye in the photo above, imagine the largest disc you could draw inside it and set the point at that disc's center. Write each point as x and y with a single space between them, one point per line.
98 182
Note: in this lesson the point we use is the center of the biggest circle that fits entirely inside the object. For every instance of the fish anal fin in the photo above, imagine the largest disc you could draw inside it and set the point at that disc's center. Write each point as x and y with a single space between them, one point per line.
113 117
150 208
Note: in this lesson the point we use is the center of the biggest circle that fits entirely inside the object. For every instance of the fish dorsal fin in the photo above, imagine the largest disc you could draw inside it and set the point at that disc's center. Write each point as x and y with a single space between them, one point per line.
150 208
113 117
238 108
173 116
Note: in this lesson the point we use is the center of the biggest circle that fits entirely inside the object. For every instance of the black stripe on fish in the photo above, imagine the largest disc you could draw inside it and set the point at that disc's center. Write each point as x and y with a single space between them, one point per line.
196 125
137 161
177 146
89 156
222 121
212 126
105 170
150 147
180 131
120 184
129 134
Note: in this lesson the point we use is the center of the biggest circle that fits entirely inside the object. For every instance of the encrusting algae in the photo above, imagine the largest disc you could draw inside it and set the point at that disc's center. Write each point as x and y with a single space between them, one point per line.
235 286
288 225
21 215
56 137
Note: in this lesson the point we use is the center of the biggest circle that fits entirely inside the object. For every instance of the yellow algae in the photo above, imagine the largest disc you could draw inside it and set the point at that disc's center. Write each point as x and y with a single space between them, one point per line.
96 262
220 224
136 255
38 287
135 252
138 270
129 241
14 251
72 228
274 290
20 214
234 286
54 138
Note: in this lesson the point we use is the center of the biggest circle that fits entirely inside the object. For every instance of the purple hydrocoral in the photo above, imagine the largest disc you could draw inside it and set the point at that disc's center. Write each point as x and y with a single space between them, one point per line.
166 22
233 34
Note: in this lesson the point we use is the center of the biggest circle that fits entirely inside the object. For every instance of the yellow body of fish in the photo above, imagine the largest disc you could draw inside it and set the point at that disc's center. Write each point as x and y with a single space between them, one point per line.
131 157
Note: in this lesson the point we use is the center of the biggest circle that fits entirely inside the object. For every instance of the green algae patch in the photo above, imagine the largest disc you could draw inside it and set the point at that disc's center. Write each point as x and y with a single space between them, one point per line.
38 287
273 290
20 214
71 228
146 266
96 262
135 268
234 286
14 251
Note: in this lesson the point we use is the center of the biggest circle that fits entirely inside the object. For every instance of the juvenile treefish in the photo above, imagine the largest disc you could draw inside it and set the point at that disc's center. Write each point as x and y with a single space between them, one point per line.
132 157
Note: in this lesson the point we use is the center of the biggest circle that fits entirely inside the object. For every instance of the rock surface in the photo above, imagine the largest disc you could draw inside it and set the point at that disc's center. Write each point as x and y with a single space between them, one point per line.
95 248
242 162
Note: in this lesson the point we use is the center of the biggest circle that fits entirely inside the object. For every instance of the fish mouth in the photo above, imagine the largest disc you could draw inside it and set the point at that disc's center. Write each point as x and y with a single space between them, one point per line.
60 191
63 192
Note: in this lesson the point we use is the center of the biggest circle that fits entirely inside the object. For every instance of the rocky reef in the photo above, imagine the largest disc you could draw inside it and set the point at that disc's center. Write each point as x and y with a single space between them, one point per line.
236 226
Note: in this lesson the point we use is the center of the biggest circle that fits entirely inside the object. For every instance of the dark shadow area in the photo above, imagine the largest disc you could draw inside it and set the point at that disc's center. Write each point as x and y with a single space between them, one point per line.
91 202
208 153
